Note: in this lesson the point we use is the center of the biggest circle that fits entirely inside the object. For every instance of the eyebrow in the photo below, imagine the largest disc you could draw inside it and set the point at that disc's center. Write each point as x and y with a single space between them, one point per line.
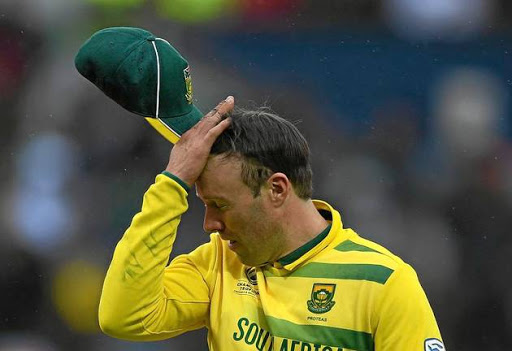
213 198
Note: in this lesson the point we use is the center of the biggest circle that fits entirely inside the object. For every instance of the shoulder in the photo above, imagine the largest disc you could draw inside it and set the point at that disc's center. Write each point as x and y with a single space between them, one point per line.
369 260
374 251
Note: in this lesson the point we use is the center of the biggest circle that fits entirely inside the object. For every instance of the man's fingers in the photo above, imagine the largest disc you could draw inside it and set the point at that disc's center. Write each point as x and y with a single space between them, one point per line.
215 115
214 111
218 129
211 119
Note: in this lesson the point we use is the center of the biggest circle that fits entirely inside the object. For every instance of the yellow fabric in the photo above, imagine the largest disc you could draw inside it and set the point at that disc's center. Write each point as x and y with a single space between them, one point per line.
164 130
345 293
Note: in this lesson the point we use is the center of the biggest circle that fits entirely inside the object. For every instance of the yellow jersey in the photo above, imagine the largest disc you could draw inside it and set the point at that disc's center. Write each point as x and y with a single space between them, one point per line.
337 292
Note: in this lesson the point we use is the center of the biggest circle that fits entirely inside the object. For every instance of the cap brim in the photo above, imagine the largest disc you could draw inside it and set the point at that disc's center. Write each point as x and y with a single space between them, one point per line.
172 128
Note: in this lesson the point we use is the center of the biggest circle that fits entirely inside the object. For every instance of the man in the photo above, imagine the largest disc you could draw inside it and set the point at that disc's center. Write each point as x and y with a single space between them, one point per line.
279 272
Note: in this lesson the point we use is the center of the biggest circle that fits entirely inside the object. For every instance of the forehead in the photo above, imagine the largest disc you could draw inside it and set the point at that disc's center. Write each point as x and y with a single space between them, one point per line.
221 177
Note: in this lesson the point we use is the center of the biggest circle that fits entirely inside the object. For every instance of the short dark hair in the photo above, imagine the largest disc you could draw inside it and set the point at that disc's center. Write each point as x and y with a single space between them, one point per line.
266 144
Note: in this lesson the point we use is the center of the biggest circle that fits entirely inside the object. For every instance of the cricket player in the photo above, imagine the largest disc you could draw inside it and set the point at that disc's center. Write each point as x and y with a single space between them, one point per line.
279 272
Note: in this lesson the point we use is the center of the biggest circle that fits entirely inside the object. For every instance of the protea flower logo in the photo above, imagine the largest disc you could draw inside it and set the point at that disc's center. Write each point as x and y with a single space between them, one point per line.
321 298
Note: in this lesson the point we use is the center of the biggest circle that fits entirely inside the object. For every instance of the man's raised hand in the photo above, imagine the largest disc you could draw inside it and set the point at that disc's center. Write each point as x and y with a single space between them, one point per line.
190 154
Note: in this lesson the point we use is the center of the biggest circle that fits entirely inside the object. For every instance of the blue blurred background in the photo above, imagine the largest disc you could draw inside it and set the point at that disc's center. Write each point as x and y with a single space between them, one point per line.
405 103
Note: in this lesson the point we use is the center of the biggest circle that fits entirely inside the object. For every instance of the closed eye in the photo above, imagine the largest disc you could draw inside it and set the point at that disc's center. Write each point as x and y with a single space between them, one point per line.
217 206
221 207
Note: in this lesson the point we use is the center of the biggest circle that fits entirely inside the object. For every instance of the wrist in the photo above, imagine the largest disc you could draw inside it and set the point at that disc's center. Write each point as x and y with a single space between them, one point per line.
184 184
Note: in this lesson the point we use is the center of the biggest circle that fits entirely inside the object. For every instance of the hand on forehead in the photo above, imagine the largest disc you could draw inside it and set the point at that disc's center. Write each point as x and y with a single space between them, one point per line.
190 154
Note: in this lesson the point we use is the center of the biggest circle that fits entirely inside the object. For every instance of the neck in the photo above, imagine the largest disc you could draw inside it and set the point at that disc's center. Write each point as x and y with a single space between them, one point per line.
302 223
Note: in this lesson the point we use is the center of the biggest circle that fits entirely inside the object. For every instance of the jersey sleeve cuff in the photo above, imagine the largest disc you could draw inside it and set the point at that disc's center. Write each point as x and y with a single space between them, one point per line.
177 180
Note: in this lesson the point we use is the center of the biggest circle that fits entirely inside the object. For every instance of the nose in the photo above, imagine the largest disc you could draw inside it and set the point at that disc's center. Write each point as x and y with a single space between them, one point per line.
212 221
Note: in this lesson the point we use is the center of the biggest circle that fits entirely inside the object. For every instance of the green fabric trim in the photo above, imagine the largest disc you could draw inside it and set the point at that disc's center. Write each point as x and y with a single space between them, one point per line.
295 254
348 245
334 337
177 180
369 272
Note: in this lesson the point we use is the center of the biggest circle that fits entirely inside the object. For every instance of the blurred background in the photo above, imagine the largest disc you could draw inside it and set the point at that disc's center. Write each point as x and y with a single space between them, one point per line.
405 103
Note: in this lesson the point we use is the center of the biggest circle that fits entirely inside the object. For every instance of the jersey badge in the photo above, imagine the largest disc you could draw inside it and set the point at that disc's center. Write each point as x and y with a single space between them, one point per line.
321 298
188 84
434 344
248 286
250 273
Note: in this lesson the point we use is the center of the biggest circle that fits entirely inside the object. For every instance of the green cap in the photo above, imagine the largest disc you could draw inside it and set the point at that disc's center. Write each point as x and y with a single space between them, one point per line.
143 74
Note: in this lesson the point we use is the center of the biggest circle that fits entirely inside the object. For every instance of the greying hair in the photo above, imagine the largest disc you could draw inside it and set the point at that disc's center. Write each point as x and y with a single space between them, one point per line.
266 144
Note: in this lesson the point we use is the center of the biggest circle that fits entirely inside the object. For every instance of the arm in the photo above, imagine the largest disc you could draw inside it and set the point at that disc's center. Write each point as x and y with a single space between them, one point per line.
141 298
405 318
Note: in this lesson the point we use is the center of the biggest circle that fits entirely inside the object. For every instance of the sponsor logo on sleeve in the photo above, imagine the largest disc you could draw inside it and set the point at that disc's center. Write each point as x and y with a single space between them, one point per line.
434 344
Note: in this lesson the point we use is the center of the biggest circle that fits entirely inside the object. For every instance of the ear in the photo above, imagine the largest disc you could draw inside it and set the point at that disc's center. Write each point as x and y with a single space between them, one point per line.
279 188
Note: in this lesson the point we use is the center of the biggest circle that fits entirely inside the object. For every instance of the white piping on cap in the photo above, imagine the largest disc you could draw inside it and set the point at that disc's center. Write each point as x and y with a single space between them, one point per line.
157 109
157 80
165 41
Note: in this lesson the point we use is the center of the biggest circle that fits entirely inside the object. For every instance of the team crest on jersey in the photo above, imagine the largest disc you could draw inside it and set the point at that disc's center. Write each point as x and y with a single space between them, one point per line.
188 84
434 344
321 298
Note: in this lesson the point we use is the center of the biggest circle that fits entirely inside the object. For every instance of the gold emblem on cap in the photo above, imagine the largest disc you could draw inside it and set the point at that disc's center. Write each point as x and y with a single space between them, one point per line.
188 84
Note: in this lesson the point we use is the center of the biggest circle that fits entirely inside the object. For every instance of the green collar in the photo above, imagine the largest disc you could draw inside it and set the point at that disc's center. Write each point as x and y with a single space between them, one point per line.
295 254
